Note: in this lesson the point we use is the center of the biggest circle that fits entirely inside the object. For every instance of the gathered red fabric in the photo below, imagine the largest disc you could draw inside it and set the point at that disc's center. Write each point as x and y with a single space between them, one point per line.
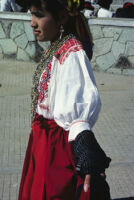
49 170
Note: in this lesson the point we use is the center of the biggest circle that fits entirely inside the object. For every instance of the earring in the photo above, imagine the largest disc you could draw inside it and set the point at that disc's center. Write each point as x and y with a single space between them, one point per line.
61 31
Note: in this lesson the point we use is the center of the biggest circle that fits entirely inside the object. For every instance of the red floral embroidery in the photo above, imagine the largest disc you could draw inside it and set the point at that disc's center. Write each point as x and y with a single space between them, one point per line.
44 107
44 75
72 45
49 66
44 82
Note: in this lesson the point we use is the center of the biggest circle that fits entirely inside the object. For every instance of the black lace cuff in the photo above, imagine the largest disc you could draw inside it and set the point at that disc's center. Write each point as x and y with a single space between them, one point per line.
89 156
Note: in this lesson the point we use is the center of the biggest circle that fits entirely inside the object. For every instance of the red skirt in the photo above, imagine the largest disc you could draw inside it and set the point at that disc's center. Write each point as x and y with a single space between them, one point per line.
49 170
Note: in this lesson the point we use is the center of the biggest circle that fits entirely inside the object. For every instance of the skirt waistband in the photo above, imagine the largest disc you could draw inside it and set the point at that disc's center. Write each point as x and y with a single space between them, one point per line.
40 120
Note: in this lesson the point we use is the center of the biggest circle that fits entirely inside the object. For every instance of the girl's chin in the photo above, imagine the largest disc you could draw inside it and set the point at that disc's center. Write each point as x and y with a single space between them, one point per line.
42 39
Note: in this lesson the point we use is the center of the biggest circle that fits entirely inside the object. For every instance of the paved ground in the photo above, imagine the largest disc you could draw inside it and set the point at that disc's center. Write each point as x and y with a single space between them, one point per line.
114 129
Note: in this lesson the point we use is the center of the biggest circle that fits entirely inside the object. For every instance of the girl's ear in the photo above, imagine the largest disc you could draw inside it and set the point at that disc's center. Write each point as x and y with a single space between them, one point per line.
63 17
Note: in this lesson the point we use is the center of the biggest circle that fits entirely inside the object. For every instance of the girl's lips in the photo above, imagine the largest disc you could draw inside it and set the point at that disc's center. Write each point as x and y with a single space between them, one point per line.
36 32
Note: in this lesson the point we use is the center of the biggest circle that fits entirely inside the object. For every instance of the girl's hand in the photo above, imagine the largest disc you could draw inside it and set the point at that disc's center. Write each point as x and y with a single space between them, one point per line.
89 157
87 181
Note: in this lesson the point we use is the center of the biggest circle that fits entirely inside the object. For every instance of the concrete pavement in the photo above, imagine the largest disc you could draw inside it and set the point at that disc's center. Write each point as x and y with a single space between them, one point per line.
114 128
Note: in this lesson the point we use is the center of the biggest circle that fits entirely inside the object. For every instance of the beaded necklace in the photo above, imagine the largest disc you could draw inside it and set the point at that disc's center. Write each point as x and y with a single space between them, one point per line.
45 59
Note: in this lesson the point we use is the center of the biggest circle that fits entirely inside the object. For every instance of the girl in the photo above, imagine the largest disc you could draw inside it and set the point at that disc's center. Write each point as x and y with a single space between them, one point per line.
63 159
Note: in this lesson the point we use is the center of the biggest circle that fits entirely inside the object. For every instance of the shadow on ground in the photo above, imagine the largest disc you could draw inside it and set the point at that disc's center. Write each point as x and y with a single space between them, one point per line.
128 198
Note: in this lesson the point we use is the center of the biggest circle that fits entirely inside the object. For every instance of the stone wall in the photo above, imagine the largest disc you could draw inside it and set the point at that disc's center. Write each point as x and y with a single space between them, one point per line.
113 42
17 40
113 45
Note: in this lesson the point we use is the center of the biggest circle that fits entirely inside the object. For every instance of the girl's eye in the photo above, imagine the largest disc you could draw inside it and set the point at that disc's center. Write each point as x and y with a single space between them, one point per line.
38 14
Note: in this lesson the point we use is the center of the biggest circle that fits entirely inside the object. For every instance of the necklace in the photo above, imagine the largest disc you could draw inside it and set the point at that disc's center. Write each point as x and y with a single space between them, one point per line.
45 59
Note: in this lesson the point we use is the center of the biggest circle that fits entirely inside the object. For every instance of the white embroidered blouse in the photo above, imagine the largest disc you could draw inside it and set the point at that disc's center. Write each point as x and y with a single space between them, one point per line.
69 96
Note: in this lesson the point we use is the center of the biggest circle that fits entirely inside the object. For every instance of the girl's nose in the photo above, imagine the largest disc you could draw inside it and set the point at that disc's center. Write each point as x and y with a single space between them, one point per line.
33 23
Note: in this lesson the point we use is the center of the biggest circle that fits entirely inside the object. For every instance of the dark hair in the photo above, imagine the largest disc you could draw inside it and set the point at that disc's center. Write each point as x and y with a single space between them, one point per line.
52 6
105 3
127 12
88 5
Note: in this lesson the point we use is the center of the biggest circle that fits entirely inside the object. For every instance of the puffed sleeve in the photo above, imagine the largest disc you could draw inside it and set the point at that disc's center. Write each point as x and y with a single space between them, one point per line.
77 101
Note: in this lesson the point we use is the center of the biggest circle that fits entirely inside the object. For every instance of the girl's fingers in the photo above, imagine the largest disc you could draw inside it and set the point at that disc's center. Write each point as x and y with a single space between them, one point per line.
87 182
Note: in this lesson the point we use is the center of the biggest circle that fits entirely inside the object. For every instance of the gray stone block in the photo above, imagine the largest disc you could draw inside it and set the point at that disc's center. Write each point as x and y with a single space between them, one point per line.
129 49
96 32
102 46
116 36
8 46
44 45
93 59
7 27
131 59
1 56
114 70
106 61
118 2
0 49
22 41
127 35
112 32
129 72
2 33
16 29
29 31
22 55
31 49
118 49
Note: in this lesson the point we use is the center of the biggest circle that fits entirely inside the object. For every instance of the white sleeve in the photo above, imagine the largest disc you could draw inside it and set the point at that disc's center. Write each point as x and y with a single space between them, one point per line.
77 102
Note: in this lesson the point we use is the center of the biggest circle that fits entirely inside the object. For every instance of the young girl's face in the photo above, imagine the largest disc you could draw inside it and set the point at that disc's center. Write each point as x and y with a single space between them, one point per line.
44 25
